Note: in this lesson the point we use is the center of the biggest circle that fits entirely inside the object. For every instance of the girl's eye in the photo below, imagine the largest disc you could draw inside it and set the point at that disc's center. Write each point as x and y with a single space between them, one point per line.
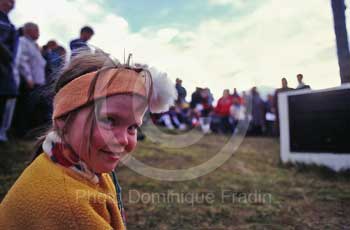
133 128
107 121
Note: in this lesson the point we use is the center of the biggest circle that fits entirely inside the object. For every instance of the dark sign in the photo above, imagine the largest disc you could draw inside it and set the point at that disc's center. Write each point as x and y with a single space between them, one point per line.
320 122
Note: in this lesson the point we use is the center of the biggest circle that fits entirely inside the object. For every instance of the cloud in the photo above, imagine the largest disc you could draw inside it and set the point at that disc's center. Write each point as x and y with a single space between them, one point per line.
278 39
237 4
61 20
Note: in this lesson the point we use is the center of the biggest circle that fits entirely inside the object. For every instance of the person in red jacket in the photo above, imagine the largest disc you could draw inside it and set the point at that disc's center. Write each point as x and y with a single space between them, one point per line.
222 111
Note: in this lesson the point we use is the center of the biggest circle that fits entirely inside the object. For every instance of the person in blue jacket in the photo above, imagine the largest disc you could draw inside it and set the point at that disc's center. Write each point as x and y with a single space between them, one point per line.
8 48
80 43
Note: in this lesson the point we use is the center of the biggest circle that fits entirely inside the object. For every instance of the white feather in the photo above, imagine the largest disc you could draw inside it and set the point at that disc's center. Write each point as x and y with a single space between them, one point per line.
51 138
164 92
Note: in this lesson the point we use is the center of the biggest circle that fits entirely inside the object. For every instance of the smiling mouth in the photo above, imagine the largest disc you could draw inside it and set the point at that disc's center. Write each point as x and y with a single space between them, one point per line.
112 154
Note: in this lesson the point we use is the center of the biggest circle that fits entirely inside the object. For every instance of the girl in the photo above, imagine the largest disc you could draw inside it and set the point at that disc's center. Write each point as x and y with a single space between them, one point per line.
98 106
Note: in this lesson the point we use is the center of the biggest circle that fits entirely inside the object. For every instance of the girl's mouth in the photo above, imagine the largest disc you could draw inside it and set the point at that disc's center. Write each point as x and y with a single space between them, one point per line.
111 155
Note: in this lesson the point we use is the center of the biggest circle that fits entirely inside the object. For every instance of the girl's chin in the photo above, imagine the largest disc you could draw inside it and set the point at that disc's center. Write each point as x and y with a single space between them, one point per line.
106 163
105 169
106 166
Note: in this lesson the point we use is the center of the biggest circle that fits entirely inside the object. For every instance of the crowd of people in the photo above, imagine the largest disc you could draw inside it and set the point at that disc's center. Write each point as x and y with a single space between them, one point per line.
257 116
26 69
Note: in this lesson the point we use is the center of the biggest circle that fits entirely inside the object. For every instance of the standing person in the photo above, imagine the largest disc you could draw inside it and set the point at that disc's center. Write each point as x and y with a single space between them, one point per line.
236 98
236 109
258 113
59 62
31 62
86 34
222 111
270 117
206 102
49 56
196 98
71 184
301 84
284 88
246 106
181 91
55 57
32 71
8 84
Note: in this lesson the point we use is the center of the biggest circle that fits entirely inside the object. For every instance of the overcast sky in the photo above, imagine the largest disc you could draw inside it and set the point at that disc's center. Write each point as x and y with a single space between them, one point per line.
209 43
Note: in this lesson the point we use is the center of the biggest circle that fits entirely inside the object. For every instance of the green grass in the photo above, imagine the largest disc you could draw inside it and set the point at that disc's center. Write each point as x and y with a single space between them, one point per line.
294 197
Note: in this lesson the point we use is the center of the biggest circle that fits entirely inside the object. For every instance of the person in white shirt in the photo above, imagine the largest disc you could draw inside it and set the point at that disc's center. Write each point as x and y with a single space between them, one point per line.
31 69
31 62
301 84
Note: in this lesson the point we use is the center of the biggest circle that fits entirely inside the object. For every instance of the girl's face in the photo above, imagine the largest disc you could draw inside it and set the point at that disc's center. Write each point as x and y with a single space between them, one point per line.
114 133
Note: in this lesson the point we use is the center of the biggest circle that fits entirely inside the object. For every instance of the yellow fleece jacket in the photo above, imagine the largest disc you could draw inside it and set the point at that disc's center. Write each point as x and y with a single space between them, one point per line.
50 196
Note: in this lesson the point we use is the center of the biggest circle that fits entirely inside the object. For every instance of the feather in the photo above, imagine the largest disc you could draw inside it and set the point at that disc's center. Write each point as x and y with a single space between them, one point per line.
164 92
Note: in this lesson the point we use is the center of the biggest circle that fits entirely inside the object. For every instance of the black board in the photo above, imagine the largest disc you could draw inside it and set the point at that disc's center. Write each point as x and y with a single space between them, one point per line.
320 122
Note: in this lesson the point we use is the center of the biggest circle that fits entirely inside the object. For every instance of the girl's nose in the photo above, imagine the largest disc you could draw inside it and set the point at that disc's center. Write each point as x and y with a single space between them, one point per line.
121 138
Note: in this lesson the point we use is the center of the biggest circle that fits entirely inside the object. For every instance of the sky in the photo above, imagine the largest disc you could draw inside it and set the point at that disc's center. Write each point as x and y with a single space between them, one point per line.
207 43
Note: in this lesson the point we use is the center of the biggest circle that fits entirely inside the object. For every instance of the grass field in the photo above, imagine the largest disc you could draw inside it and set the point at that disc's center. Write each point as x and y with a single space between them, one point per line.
252 190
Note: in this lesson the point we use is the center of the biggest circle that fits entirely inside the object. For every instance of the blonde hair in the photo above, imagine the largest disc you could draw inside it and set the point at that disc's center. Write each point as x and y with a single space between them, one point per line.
84 61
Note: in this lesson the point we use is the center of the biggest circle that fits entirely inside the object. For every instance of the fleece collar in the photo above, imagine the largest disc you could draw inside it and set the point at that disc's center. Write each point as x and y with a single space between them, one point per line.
54 148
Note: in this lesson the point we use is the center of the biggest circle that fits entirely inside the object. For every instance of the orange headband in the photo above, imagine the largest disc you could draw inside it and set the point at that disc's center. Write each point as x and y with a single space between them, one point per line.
75 94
